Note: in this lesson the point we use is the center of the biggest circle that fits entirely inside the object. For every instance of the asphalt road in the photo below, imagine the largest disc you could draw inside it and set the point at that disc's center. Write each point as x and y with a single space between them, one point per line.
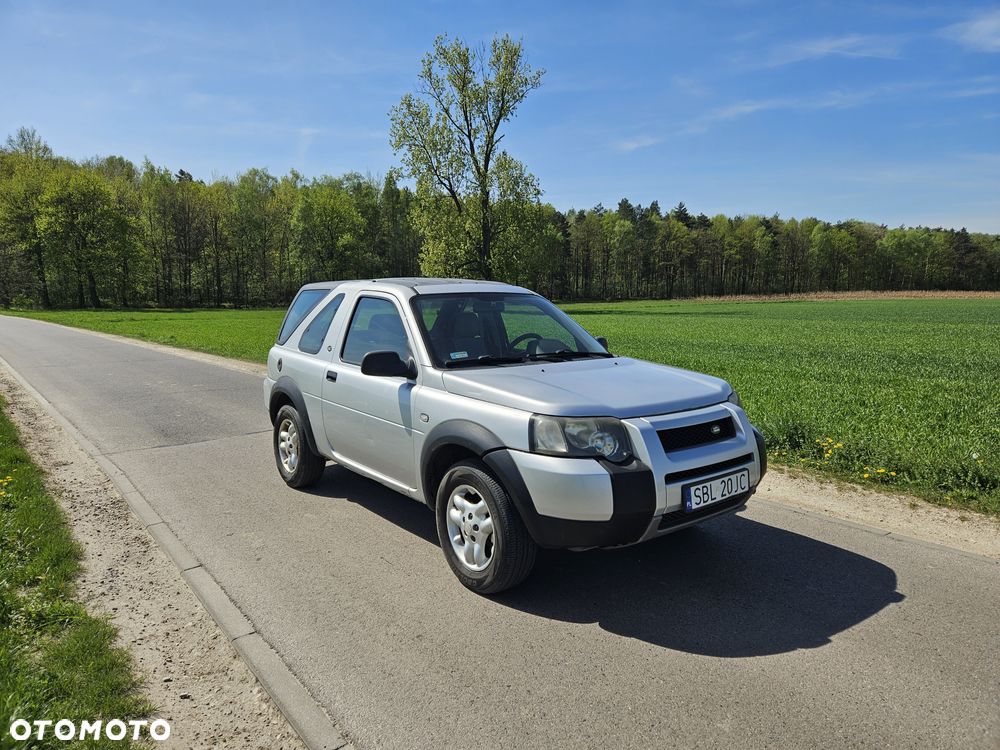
772 628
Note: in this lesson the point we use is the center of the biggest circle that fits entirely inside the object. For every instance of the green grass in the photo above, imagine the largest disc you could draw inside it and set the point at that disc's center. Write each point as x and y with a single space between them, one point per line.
842 387
56 661
243 334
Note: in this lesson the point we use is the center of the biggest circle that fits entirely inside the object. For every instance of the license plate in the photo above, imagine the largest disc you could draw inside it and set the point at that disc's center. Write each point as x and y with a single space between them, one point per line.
711 491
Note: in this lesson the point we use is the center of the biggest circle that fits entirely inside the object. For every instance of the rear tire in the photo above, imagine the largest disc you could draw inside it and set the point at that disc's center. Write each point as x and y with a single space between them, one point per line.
297 464
484 540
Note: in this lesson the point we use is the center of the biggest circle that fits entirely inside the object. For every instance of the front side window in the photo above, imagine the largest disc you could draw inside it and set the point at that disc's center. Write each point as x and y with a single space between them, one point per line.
488 329
375 327
312 338
301 306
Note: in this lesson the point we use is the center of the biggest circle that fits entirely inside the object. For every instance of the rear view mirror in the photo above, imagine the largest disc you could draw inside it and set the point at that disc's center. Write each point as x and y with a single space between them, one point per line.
482 306
603 342
387 364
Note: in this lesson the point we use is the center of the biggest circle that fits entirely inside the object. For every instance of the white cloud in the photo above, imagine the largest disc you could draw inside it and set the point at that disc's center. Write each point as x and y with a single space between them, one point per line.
306 136
844 98
639 141
981 34
849 45
217 104
740 109
690 86
972 92
735 111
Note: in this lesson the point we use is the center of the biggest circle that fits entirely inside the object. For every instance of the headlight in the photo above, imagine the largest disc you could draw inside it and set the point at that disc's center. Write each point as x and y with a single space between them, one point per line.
734 398
592 437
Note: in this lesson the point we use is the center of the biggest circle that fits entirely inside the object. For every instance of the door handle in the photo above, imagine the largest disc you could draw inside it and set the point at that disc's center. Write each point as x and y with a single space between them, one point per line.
331 376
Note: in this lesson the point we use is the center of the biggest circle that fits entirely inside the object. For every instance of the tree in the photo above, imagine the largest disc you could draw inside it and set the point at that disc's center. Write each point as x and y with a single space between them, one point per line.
28 143
326 229
680 213
101 232
21 190
400 237
254 228
449 136
80 221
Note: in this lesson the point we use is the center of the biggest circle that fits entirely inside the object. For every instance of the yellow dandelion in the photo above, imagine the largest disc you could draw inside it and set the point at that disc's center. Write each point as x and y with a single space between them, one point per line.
881 471
866 476
839 445
892 473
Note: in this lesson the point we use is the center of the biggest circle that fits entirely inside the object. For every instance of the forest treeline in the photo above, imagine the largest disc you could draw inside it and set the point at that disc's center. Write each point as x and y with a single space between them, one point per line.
107 232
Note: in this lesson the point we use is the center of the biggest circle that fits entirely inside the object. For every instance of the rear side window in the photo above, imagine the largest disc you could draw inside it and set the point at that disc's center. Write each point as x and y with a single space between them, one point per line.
303 303
312 338
375 327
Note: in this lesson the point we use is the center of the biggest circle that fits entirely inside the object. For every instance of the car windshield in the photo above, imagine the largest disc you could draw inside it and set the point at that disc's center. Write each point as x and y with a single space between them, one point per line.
469 330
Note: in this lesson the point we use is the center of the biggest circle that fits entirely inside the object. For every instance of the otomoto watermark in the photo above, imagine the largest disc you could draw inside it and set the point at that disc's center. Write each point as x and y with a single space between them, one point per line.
66 730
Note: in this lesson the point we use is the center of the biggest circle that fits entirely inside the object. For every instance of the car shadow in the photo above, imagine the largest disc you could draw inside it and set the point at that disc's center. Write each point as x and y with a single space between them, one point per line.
341 483
732 587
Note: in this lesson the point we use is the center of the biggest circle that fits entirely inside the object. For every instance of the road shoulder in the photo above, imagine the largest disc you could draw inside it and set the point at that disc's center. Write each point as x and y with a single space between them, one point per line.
899 515
192 670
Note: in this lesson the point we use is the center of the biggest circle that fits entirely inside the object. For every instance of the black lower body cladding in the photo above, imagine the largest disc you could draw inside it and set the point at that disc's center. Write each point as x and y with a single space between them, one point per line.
761 451
634 495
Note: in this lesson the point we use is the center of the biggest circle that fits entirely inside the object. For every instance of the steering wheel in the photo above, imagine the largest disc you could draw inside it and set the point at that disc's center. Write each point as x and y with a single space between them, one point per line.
525 337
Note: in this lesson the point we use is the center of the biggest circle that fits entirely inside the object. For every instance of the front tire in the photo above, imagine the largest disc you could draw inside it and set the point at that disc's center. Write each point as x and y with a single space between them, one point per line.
298 465
484 540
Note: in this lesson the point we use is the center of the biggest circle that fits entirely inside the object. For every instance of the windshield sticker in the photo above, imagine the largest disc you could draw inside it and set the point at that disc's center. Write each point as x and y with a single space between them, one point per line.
459 355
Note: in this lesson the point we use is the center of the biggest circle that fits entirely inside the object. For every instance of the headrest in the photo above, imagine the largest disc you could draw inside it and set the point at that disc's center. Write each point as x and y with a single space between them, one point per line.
467 326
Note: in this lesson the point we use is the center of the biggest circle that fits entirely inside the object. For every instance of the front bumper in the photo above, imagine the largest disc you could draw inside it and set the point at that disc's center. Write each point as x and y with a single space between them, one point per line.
581 503
624 495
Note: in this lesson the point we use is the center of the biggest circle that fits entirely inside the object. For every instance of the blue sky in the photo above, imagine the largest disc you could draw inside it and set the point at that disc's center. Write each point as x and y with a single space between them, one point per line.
881 111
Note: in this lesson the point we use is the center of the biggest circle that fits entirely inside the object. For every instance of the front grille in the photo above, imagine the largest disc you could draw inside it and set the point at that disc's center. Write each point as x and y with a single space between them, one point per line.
679 438
678 517
709 470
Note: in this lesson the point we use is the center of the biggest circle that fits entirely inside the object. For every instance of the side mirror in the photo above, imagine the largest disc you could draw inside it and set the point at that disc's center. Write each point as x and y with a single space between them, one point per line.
603 342
387 365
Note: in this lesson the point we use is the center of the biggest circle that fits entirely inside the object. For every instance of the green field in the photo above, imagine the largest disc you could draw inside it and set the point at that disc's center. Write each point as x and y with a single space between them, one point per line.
900 393
56 660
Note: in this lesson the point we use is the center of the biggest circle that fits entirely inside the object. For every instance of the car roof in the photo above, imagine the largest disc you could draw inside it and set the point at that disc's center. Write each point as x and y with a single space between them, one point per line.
414 285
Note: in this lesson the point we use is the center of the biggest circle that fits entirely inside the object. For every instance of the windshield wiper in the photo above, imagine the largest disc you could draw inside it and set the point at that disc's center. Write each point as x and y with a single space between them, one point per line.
485 359
569 354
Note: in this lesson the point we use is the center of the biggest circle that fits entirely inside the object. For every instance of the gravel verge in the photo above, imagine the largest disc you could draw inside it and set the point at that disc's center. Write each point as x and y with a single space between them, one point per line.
192 672
900 515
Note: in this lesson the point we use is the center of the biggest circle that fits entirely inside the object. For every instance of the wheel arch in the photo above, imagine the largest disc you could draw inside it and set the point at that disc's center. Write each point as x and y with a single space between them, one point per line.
448 443
286 392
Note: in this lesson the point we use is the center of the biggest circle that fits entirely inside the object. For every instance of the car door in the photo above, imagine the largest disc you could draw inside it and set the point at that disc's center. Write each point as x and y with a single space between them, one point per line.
368 419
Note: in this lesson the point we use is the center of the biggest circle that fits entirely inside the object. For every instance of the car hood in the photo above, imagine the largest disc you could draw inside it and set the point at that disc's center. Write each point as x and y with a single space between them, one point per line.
619 387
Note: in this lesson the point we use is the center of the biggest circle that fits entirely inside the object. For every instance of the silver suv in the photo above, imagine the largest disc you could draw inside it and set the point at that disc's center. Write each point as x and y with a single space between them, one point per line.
517 427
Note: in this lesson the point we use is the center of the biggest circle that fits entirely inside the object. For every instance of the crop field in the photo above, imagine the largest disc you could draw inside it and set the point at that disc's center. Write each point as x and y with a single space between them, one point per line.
895 393
901 393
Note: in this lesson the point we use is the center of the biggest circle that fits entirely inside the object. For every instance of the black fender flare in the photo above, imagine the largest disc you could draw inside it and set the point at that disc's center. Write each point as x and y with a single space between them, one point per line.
285 386
758 438
453 432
